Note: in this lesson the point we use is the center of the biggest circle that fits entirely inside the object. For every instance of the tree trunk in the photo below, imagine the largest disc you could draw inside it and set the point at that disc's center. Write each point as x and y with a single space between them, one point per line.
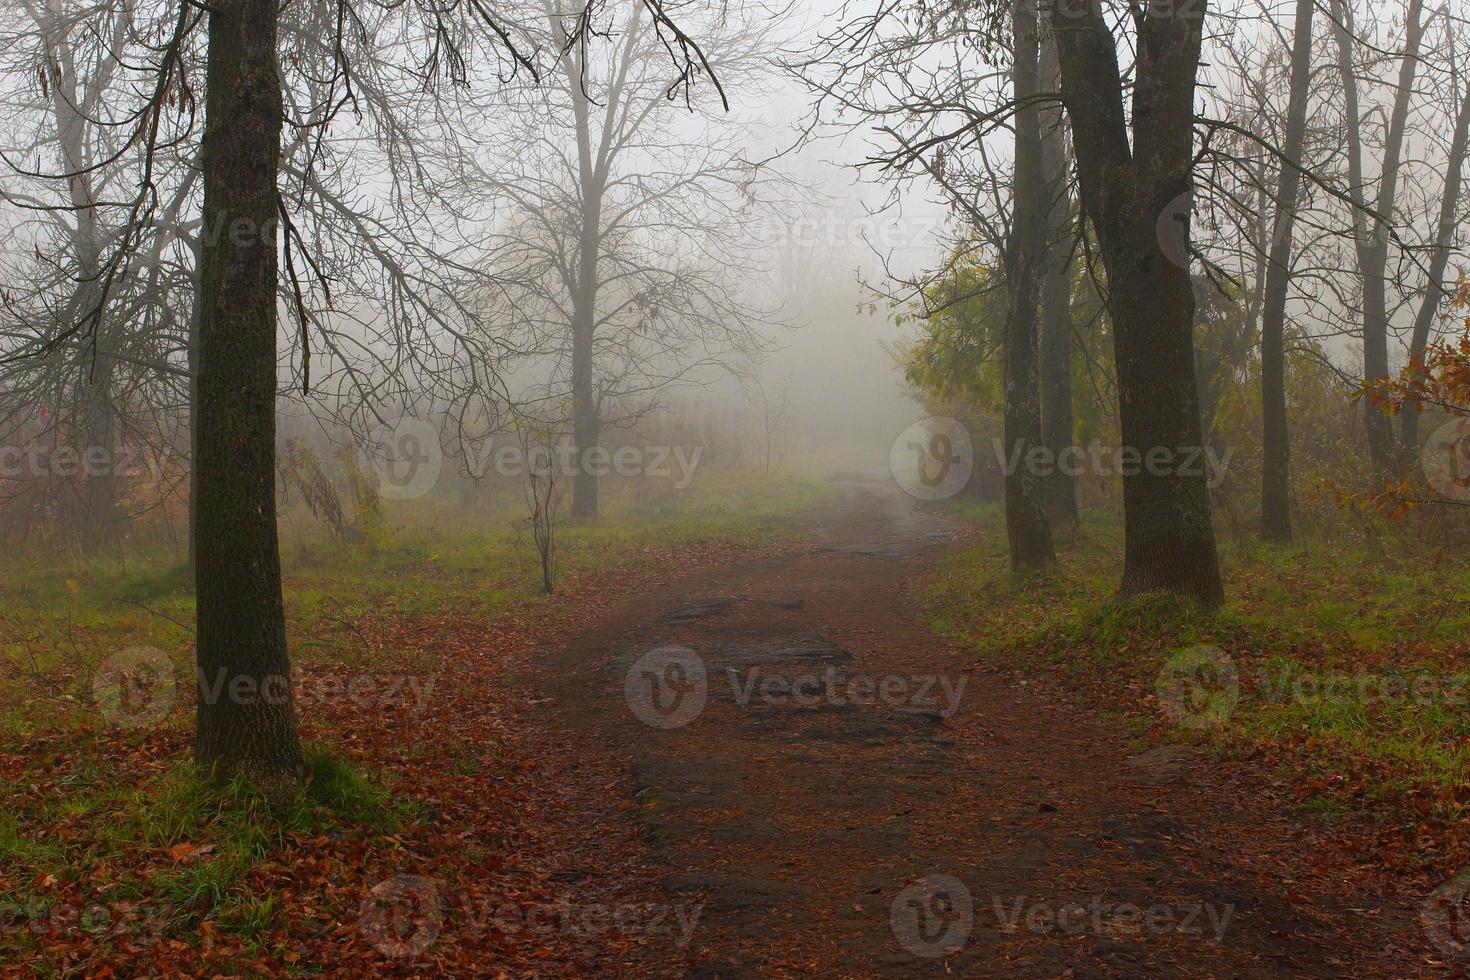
1136 199
584 284
193 359
1026 525
586 425
1275 447
586 416
101 517
1372 247
246 720
1434 291
1056 326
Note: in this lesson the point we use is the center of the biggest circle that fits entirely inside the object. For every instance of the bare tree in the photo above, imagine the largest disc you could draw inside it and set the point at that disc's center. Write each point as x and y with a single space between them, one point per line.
543 497
246 720
1275 444
238 574
66 106
1293 198
1446 230
627 253
1371 230
775 420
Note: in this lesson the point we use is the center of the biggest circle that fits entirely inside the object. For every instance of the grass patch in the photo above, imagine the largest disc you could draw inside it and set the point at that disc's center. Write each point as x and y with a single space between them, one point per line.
65 615
180 850
1350 667
185 804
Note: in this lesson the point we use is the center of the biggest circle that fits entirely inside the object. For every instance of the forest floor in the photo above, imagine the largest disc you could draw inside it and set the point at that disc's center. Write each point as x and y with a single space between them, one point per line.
831 738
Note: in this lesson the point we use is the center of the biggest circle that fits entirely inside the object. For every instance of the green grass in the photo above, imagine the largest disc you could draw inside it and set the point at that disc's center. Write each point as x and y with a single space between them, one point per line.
442 553
182 846
242 824
63 616
1351 665
1330 810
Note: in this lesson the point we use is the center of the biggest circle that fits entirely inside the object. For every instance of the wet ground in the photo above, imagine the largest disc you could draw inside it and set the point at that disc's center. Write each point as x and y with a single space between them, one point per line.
830 790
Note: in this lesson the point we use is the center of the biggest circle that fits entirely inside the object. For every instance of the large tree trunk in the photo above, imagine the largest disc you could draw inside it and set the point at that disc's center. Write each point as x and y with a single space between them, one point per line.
1275 447
1026 524
1057 422
246 720
1135 197
1434 291
1372 246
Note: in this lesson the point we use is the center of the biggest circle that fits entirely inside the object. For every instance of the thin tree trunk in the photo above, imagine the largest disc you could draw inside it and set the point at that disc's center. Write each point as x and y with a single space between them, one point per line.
1276 448
1128 193
246 720
586 423
102 518
1434 291
594 167
1372 247
1026 524
586 413
1056 326
583 284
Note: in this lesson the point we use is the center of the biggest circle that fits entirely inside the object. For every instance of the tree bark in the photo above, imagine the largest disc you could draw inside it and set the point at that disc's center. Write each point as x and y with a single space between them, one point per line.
197 249
1130 194
1275 445
246 719
1057 421
1026 524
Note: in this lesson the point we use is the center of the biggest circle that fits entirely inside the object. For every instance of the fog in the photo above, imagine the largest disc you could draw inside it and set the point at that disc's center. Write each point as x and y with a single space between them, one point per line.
651 488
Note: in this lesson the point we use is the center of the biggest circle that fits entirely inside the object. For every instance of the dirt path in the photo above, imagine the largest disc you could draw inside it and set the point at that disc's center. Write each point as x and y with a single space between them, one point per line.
905 813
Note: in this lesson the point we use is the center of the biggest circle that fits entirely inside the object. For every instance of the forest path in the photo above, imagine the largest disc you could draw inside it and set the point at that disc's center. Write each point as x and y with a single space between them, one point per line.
909 813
